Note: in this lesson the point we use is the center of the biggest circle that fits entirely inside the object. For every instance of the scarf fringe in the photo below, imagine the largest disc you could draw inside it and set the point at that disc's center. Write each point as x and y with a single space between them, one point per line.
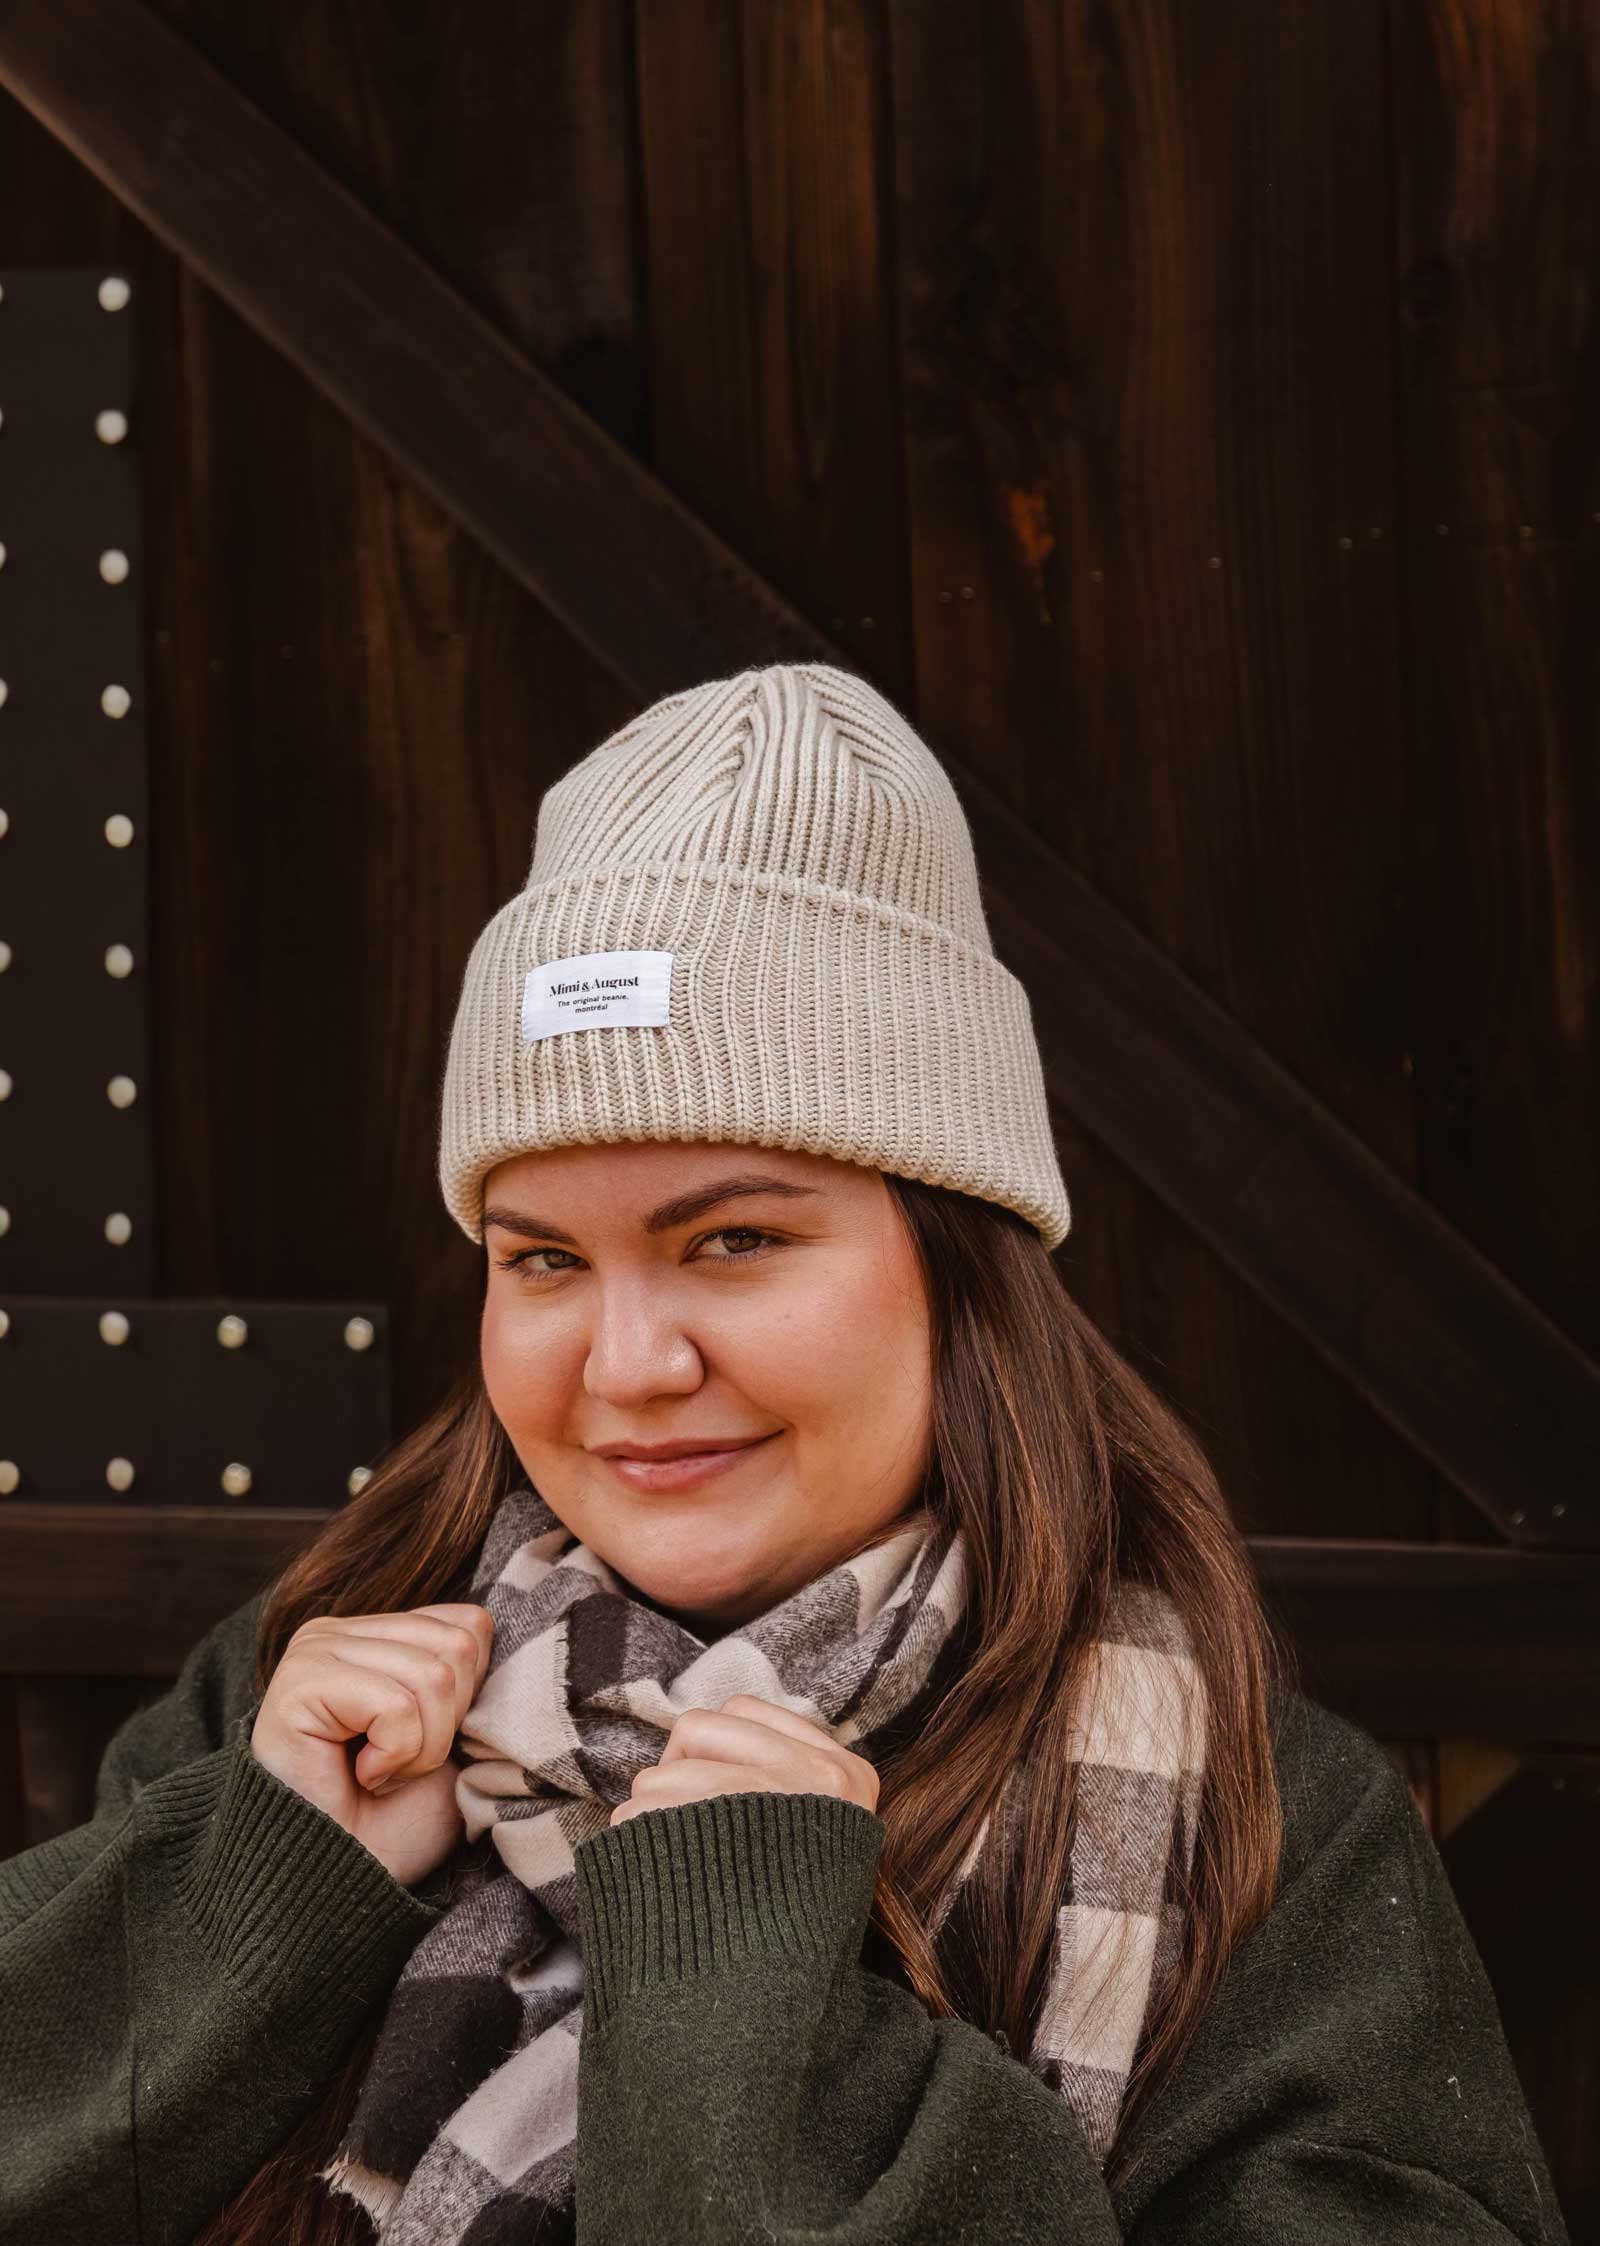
379 2195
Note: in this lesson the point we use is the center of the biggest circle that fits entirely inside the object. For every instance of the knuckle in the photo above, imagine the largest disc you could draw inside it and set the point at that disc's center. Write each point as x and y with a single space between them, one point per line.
398 1698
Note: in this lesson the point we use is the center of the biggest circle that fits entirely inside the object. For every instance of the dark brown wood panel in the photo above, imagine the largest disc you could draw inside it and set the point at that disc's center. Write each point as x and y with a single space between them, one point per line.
1147 386
772 367
63 1726
354 709
1522 1867
1497 181
1437 1342
131 1589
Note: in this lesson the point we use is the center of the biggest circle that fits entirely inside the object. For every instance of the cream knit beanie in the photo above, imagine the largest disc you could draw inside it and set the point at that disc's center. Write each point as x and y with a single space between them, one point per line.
753 915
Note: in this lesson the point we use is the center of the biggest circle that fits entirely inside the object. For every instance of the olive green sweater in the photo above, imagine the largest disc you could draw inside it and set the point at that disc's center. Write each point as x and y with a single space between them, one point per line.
181 1974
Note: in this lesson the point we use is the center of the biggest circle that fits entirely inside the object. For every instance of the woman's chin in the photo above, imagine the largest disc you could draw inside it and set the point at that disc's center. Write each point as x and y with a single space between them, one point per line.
720 1597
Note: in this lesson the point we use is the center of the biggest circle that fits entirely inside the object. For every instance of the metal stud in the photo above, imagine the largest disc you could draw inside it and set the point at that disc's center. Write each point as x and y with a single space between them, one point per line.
232 1331
119 1229
5 957
119 1473
116 701
9 1476
236 1479
119 960
359 1333
2 554
119 830
5 693
360 1476
5 823
5 1085
114 1328
114 565
5 1222
113 293
122 1091
5 1323
111 426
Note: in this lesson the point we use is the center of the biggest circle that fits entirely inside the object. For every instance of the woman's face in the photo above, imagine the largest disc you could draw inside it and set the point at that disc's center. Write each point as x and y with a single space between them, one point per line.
669 1292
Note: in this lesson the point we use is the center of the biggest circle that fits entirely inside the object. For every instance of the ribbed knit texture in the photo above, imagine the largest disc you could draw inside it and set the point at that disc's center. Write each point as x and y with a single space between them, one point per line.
746 2080
737 1877
802 855
243 1860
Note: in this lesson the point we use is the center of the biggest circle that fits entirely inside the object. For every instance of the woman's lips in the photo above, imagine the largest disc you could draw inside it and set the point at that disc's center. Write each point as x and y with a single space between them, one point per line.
680 1473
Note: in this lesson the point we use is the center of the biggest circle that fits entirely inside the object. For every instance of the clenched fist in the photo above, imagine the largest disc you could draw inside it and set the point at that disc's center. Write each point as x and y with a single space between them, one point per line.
398 1683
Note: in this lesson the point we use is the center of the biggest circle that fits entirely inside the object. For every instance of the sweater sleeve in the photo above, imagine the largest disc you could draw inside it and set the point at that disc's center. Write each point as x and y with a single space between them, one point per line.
180 1973
743 2079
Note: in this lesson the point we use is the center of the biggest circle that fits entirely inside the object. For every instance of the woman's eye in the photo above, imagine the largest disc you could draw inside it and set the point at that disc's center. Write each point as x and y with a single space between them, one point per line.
741 1232
524 1264
523 1260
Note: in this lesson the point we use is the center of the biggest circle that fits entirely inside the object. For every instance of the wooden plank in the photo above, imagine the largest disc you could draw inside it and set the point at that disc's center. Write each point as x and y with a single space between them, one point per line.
1497 183
13 1814
128 1590
1422 1640
768 262
1408 1639
1522 1869
63 1725
1150 468
1498 174
1450 1353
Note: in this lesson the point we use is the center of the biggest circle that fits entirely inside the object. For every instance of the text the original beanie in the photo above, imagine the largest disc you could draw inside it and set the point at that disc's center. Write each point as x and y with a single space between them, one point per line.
753 915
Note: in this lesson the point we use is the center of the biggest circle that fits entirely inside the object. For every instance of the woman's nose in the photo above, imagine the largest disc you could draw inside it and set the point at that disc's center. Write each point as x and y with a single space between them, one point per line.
638 1348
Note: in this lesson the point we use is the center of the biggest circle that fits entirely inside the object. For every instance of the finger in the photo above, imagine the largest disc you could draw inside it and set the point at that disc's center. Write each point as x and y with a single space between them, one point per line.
423 1633
477 1621
712 1735
666 1785
337 1701
466 1632
780 1719
432 1683
753 1717
860 1772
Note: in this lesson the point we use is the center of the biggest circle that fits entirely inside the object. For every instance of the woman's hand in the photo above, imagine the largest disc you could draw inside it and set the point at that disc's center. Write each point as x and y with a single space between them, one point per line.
398 1683
748 1746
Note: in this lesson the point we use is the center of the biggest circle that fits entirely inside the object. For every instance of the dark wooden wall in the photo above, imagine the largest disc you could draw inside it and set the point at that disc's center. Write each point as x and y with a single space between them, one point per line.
1190 413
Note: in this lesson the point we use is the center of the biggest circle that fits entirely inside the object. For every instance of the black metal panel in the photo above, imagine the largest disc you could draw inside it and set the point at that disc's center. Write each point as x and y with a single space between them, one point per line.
293 1402
69 629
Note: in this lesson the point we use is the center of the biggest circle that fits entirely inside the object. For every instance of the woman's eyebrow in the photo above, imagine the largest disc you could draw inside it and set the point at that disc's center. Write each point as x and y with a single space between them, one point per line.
678 1210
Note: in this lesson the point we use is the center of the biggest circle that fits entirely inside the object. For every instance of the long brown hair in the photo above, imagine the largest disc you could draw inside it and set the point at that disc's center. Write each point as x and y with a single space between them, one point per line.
1067 1475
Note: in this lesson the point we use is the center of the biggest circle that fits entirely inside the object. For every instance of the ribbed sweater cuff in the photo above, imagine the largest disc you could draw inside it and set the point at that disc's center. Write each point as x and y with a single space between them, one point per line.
301 1916
694 1887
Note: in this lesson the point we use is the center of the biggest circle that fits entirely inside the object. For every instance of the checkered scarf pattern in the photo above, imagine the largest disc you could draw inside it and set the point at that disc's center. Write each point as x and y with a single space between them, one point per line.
467 2119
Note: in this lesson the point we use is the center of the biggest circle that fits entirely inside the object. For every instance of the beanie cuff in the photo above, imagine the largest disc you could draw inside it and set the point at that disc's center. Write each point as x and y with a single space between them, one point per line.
800 1016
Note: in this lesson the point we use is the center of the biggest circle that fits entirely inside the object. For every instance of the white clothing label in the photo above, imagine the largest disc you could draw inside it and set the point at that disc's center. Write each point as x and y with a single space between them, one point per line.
599 989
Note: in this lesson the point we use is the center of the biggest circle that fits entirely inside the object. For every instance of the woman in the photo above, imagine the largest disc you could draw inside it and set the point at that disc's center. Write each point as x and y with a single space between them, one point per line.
891 1822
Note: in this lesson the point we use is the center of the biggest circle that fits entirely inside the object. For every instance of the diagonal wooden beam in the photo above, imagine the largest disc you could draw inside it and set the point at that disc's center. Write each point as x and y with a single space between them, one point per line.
1435 1338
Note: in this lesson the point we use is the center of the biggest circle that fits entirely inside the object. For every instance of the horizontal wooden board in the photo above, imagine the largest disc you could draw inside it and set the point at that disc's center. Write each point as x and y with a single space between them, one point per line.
1406 1639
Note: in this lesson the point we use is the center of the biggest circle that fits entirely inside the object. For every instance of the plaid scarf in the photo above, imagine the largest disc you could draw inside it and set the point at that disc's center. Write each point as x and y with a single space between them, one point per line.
471 2096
